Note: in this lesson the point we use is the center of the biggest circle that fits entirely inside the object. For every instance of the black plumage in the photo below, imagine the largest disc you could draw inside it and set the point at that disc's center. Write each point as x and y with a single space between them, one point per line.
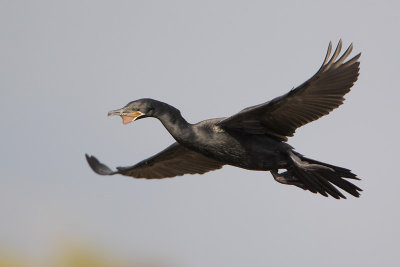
254 138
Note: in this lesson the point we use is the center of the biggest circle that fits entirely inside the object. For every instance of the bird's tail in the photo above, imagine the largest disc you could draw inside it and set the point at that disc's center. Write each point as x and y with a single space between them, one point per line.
319 177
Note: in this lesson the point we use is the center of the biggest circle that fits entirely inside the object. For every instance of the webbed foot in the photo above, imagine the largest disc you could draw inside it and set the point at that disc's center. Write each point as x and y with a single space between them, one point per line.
287 178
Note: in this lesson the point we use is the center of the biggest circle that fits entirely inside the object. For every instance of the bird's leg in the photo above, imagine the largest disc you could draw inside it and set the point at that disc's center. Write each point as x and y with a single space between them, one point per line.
287 178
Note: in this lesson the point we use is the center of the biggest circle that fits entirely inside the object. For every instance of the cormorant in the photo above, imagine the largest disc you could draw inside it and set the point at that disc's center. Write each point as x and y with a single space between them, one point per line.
253 139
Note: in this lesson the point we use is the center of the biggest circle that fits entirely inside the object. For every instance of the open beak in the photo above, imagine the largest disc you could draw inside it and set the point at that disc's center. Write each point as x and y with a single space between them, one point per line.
127 116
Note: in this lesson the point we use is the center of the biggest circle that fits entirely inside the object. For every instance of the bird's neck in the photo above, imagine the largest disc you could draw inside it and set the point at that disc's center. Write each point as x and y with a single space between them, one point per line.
175 124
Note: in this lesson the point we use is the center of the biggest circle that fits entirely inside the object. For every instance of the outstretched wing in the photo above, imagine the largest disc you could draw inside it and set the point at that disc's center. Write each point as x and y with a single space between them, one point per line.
315 98
173 161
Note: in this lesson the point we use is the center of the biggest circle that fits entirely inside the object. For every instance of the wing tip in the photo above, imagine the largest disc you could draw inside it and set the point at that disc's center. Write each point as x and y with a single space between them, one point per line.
331 62
97 166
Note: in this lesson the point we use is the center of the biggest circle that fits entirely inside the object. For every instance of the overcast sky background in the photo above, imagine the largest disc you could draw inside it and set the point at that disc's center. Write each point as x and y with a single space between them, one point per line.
65 64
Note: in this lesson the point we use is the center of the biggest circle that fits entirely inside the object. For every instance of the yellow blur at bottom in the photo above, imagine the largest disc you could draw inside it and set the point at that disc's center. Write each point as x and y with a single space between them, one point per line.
72 258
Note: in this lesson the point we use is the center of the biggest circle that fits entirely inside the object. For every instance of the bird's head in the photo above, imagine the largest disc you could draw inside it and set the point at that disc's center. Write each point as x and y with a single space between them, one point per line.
135 110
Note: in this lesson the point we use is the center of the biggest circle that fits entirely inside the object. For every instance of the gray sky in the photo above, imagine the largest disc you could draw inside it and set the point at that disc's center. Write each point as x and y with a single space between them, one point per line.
65 64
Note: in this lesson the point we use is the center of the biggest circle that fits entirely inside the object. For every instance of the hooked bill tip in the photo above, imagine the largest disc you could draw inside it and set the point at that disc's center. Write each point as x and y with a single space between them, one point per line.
116 112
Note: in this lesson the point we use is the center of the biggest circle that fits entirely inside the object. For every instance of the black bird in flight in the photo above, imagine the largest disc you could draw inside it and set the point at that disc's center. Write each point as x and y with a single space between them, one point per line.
253 139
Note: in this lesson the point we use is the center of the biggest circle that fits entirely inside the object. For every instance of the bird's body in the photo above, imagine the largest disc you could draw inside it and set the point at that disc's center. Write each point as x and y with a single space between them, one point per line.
247 151
253 139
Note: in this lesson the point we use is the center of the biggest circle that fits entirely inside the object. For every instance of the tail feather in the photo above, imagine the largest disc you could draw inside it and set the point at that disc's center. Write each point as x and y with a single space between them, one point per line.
342 171
344 184
317 183
330 189
311 183
320 177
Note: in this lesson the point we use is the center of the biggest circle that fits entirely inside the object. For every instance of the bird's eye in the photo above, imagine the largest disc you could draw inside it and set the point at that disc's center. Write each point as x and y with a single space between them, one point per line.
134 109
